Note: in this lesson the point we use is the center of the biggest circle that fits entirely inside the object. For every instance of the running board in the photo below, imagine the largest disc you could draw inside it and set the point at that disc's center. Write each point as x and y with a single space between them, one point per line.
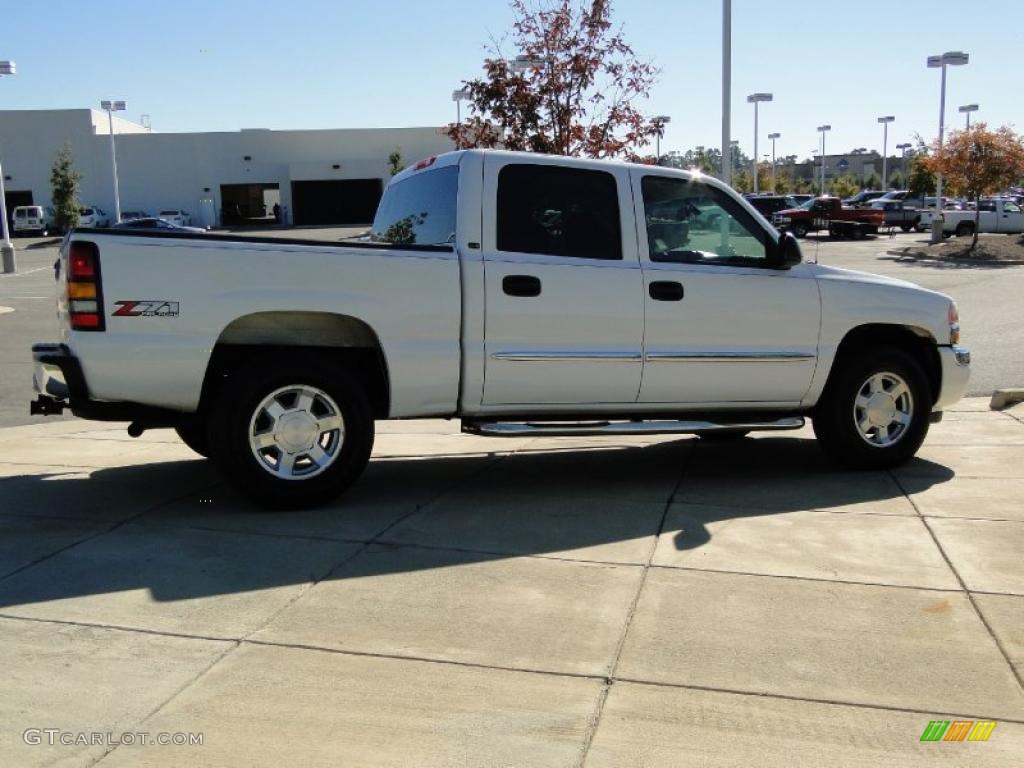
662 427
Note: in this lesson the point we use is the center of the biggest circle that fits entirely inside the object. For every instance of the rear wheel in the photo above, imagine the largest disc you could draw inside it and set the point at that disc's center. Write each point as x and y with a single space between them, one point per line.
964 228
874 411
294 433
799 230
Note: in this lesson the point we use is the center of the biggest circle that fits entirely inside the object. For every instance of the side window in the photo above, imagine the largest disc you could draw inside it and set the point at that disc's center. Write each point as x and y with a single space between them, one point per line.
558 211
689 222
987 205
1011 208
419 210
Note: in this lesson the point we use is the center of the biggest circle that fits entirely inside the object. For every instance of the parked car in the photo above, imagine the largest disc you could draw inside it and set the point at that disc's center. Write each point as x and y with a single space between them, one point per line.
524 294
134 215
768 205
863 198
176 216
897 214
28 219
829 213
154 224
993 216
93 217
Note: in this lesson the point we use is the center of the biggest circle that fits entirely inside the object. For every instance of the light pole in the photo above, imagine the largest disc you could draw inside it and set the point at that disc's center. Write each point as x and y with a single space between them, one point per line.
755 99
660 121
773 137
111 107
6 247
458 97
823 129
966 109
948 59
726 94
903 148
885 149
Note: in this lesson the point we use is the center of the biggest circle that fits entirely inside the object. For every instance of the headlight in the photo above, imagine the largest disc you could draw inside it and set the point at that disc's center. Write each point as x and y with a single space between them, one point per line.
954 323
782 219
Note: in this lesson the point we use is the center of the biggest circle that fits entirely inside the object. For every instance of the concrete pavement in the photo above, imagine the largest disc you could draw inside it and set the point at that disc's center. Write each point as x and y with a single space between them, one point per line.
548 602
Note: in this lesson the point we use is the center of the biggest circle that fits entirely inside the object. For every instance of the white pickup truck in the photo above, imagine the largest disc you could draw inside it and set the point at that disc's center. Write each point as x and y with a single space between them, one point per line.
524 294
993 216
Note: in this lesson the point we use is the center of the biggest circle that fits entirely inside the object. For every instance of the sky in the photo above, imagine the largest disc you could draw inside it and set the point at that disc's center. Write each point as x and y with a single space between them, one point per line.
223 65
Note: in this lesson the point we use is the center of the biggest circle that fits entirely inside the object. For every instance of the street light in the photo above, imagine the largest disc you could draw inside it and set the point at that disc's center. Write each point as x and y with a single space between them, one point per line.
755 99
823 129
660 121
111 107
903 148
966 109
773 137
885 148
948 59
6 248
458 97
726 96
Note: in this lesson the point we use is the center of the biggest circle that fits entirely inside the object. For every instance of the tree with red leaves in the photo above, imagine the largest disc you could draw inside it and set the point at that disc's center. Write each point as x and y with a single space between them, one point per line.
572 93
978 162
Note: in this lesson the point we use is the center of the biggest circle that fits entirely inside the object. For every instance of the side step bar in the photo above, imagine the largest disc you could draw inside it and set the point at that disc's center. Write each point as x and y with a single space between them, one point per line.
660 427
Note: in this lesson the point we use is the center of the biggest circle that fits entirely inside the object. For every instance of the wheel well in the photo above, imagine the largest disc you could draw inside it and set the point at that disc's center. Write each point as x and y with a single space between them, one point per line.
346 340
916 342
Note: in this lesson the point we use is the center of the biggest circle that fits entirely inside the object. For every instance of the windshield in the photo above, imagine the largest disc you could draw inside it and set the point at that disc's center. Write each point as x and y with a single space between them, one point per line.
808 204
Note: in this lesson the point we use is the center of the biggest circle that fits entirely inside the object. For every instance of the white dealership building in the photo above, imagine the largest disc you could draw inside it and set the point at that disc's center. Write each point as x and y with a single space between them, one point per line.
315 176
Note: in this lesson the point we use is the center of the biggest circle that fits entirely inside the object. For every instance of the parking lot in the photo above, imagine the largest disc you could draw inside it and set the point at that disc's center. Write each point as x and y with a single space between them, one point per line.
547 601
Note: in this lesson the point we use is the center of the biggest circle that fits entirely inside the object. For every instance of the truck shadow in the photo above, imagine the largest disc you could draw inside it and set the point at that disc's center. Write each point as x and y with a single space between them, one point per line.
171 530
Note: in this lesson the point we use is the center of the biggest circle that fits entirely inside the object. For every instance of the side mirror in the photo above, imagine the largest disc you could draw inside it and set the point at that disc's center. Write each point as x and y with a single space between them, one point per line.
786 252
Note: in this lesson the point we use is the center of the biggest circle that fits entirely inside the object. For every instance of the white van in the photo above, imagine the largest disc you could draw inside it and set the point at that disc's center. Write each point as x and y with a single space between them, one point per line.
32 218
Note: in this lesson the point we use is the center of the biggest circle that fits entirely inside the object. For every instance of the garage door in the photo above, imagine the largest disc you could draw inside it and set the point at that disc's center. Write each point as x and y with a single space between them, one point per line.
352 201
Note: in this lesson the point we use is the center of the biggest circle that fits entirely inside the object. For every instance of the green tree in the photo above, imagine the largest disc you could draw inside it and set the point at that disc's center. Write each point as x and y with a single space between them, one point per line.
64 180
742 181
844 185
920 179
783 183
873 181
395 164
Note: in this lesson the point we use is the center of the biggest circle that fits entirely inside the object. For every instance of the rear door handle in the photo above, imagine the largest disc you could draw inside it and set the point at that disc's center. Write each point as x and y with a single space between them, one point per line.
665 290
521 285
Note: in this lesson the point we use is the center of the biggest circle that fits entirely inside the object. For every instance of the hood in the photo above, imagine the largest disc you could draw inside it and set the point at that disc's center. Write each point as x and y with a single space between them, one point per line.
823 272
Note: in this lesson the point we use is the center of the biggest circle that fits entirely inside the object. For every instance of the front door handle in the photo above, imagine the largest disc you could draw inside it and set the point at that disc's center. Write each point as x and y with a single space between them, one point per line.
521 285
665 290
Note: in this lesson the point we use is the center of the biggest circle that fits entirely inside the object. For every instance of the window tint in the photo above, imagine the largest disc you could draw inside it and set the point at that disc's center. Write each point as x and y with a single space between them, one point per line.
690 222
558 212
1011 208
419 210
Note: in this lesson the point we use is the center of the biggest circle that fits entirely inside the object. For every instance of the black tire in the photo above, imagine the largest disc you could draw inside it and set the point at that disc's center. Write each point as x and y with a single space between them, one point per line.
723 435
799 229
906 227
835 416
964 228
195 434
237 406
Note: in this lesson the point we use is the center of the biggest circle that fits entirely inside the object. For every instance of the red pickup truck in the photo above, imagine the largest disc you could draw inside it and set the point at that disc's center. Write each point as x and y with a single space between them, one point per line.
829 213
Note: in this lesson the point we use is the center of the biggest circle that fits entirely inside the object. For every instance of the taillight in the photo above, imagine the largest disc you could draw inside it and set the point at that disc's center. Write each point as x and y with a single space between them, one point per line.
85 298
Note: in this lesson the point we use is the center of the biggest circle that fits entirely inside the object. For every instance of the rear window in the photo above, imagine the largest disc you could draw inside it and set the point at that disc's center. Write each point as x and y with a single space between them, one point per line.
85 211
419 210
557 211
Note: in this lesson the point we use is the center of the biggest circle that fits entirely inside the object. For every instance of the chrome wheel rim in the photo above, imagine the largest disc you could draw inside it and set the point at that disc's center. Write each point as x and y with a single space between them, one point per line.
883 409
296 432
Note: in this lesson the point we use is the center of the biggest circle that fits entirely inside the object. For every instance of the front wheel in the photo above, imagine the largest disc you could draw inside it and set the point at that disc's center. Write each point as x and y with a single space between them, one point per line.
799 230
292 434
874 411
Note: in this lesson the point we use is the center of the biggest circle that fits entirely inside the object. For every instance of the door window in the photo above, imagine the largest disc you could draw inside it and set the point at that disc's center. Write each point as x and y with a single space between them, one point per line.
419 210
558 211
690 222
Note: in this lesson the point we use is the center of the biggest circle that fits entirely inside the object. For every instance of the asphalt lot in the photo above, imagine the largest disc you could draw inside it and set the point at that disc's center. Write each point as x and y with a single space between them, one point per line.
528 602
991 312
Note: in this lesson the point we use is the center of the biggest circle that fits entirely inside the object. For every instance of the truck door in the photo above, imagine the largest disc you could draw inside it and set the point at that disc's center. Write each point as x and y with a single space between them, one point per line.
1011 219
562 284
721 327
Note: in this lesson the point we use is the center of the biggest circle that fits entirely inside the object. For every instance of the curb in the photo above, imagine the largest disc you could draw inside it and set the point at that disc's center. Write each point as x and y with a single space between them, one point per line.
1004 398
955 260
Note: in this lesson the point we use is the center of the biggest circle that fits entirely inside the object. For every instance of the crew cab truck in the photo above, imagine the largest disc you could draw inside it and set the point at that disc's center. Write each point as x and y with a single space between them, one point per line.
897 214
523 294
828 213
992 216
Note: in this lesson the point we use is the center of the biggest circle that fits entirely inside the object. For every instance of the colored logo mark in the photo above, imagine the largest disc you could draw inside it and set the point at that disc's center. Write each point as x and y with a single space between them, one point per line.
958 730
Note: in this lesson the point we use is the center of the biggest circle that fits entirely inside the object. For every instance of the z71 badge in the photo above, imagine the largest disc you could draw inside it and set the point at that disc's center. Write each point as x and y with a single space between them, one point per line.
148 308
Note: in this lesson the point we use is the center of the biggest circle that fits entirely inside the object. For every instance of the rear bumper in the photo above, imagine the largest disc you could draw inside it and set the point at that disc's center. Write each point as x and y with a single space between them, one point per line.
956 373
58 379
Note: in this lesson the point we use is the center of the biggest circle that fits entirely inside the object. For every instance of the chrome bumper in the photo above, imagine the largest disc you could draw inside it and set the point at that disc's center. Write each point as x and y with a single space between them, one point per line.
956 373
